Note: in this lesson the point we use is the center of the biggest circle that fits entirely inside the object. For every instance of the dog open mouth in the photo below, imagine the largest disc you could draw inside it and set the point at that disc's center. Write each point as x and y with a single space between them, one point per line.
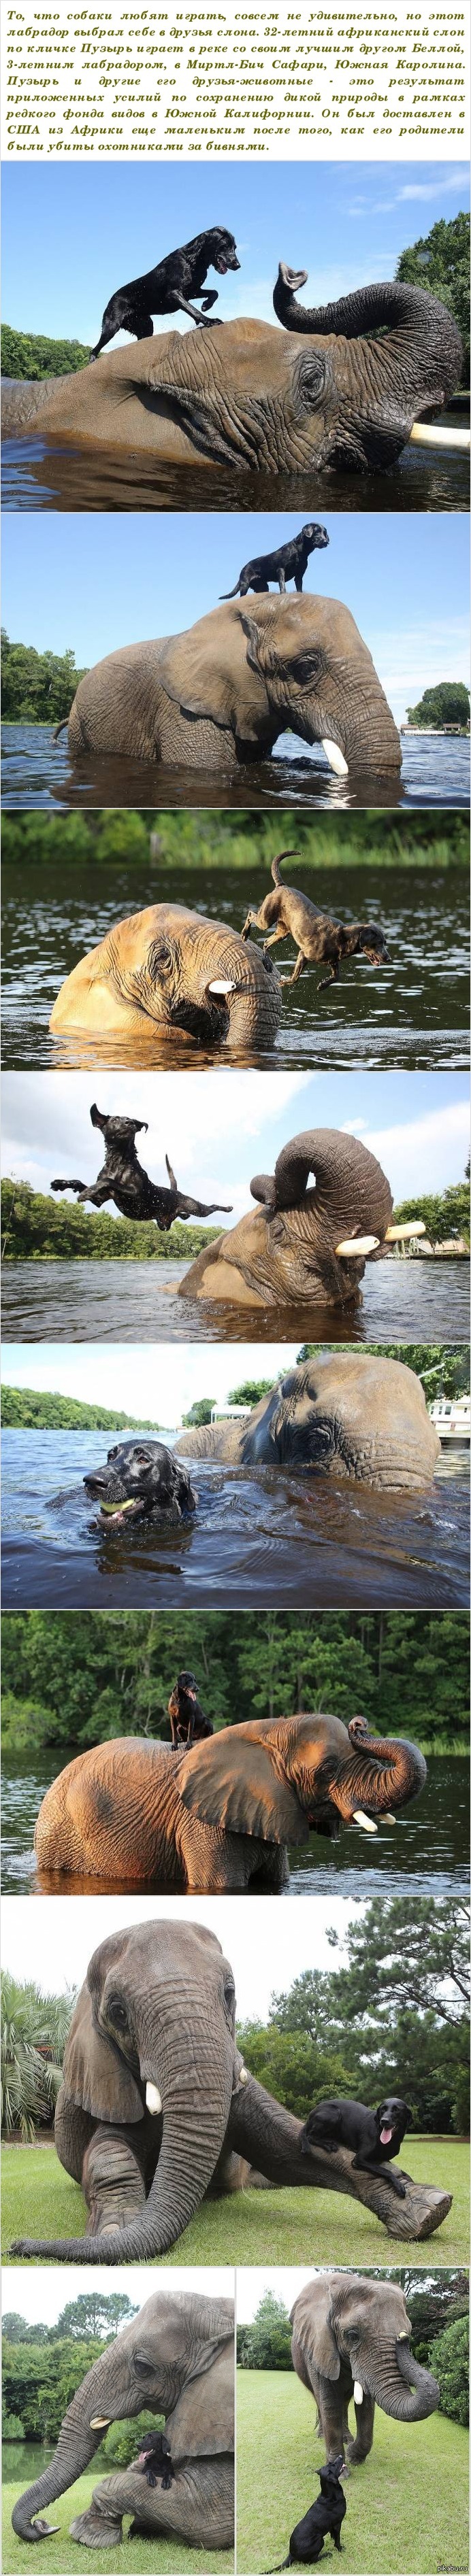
116 1511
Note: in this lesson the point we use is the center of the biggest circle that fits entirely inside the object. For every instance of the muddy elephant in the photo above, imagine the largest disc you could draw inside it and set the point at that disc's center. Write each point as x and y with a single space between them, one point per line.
218 696
176 2359
351 2339
221 1816
265 400
156 2105
300 1246
344 1413
169 968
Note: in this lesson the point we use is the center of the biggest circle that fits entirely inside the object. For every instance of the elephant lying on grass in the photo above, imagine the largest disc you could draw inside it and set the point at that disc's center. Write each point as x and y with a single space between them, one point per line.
342 1412
301 1244
351 2339
218 696
221 1816
176 2358
315 393
169 968
156 2105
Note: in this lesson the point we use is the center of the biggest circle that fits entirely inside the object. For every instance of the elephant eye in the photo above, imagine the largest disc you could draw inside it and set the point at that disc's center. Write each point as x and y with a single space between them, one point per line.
143 2364
352 2334
229 1995
159 958
117 2012
307 666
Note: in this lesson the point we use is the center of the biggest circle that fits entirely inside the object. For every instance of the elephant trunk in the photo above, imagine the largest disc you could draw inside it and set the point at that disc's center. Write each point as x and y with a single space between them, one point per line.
352 1196
425 338
75 2448
385 1772
192 2082
401 2386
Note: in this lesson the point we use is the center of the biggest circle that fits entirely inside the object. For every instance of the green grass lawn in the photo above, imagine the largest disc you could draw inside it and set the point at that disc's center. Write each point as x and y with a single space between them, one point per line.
406 2508
253 2226
61 2555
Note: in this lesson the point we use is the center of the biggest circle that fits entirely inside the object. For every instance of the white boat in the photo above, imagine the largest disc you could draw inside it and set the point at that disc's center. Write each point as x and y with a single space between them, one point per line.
452 1417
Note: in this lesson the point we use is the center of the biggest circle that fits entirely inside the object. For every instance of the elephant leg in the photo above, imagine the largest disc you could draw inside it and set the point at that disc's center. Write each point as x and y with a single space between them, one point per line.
112 2181
361 2445
361 2165
198 2506
331 2409
269 2136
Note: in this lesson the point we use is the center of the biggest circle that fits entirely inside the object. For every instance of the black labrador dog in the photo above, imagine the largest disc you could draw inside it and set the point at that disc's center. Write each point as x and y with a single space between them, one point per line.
155 2460
123 1179
168 288
288 563
187 1718
322 2521
375 2136
318 939
141 1480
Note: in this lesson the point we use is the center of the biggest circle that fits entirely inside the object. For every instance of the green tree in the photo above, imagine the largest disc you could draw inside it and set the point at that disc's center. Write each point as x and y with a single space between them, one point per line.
292 2067
266 2345
442 1214
30 355
23 1406
439 262
446 704
251 1391
449 2360
33 2034
37 688
94 2313
199 1412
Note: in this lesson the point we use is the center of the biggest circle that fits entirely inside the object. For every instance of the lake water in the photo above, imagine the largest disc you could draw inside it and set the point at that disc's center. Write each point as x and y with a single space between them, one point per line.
45 473
411 1013
37 772
137 1301
258 1538
431 1839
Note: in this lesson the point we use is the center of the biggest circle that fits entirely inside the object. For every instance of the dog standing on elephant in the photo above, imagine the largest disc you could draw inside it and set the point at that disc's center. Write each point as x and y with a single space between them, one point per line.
168 288
287 563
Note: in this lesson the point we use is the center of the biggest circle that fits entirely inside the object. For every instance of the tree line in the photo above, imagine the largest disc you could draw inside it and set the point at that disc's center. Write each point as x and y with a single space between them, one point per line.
234 842
24 1408
35 1228
37 688
43 2366
93 1675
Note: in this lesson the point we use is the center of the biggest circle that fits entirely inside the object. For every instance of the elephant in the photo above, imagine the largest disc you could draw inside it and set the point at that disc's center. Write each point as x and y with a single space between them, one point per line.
176 2358
345 1413
219 1815
301 1244
169 968
312 394
156 2105
351 2339
217 696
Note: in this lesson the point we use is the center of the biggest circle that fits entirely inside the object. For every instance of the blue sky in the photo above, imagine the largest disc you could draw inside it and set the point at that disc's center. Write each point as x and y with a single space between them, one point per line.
97 581
70 236
219 1132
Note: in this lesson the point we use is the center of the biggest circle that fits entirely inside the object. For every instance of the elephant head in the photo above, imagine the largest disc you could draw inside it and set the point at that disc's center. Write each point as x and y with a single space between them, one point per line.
247 396
155 2026
301 1245
294 662
169 968
368 392
350 1414
282 1778
160 2361
346 2318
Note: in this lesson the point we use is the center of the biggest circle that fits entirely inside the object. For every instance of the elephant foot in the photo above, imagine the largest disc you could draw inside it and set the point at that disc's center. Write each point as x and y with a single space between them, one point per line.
94 2532
355 2457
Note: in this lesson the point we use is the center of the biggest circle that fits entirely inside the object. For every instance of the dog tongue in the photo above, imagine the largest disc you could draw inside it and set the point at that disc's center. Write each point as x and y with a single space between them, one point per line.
385 2137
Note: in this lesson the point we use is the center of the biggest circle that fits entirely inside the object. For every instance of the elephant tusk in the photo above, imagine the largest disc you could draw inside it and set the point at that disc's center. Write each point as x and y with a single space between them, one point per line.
243 2075
358 2392
335 757
358 1818
153 2099
220 987
397 1233
356 1246
99 2423
387 1819
426 434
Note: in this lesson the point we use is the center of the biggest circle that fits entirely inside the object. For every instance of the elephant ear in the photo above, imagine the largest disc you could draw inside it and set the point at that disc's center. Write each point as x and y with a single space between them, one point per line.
203 2419
208 672
236 1782
96 2078
313 2322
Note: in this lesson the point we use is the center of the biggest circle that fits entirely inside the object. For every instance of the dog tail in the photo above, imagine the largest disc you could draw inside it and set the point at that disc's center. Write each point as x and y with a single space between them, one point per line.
276 865
230 594
282 2562
60 727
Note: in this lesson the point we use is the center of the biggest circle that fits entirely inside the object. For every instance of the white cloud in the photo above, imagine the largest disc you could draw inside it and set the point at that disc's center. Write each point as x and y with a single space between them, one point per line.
434 1146
57 1940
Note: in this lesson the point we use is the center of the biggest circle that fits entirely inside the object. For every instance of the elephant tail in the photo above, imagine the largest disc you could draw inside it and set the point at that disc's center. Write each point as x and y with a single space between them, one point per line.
230 594
60 728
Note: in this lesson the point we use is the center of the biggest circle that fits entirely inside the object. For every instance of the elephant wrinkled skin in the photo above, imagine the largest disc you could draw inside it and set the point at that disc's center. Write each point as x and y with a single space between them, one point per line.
217 696
345 1413
176 2358
169 968
220 1816
312 394
288 1252
351 2338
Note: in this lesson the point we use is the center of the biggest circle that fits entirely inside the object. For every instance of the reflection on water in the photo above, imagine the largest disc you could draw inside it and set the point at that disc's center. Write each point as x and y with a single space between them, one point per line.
431 1837
137 1301
413 1011
46 473
259 1537
38 772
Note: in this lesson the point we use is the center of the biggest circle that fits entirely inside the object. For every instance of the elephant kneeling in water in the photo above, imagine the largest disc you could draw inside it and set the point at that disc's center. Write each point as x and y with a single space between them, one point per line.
301 1245
169 969
176 2358
218 696
344 1413
351 2340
